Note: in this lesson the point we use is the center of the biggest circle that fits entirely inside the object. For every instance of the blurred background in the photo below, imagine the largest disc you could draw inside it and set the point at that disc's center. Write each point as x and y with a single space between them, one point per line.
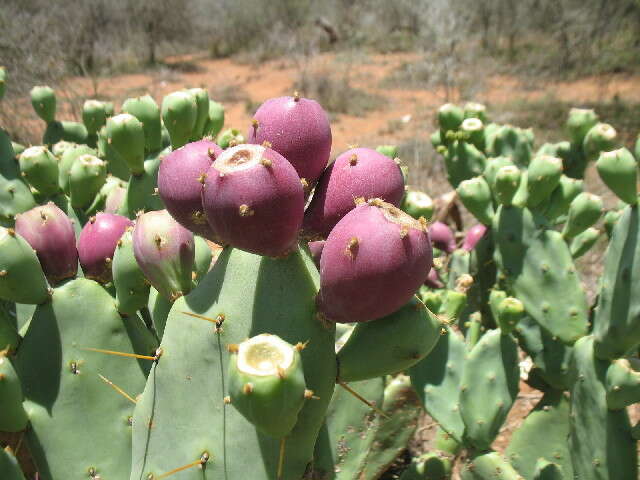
380 68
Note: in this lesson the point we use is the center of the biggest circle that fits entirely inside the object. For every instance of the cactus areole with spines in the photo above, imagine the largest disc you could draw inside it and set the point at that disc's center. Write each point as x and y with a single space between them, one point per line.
357 283
253 200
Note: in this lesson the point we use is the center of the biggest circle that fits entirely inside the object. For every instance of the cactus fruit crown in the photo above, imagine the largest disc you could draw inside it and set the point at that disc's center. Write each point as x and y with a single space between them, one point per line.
395 215
240 157
472 124
265 355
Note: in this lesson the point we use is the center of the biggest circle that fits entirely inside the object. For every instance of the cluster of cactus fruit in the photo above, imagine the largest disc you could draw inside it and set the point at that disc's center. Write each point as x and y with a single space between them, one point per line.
134 347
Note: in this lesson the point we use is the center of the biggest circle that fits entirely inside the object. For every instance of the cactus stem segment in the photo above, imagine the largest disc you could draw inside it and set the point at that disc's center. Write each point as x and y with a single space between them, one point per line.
117 389
362 399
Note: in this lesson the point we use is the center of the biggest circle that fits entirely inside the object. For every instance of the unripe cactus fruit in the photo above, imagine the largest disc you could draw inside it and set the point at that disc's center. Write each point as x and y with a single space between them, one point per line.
94 115
475 110
97 244
125 134
253 200
86 177
43 99
473 236
506 184
146 110
215 121
179 113
57 149
390 151
543 176
450 117
357 283
619 171
356 173
298 129
568 189
132 290
510 312
475 194
473 128
584 211
19 267
13 418
40 168
418 204
180 179
201 96
580 121
50 233
442 237
602 137
316 248
165 252
266 383
230 138
67 159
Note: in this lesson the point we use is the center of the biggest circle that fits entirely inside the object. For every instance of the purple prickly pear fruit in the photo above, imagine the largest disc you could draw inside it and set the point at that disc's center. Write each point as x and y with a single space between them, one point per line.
180 179
298 129
97 243
115 199
473 236
316 251
165 252
50 233
356 173
373 261
253 199
433 280
442 237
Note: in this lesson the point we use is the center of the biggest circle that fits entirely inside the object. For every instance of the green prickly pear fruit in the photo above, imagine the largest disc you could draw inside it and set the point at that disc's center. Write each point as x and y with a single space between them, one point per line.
9 467
57 149
108 108
506 184
418 204
584 211
450 117
132 290
94 115
13 418
476 110
495 299
487 466
619 171
215 121
515 143
463 161
602 137
165 252
580 121
40 168
492 167
543 176
18 148
582 243
68 158
203 258
179 113
402 339
436 139
610 220
86 177
43 99
432 299
428 466
266 383
546 470
69 131
623 383
446 443
510 312
229 138
3 81
201 96
475 194
390 151
147 111
125 134
474 129
568 189
19 267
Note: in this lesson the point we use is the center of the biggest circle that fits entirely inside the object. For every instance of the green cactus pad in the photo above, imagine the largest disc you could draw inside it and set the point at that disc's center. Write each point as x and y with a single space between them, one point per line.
141 194
146 110
491 373
543 434
19 267
619 171
601 444
248 295
390 344
539 269
132 290
616 320
65 397
623 383
13 418
437 380
9 468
